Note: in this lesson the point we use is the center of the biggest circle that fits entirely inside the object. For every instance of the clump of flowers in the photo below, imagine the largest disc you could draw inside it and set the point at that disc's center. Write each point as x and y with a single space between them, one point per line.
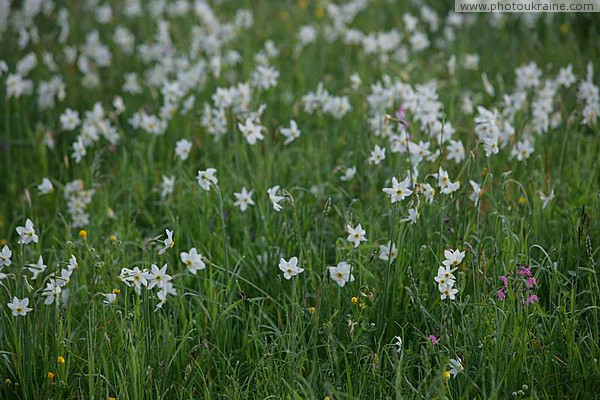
445 277
524 284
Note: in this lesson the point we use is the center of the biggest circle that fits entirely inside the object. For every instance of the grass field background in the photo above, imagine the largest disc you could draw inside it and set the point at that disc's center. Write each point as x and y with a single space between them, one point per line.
238 328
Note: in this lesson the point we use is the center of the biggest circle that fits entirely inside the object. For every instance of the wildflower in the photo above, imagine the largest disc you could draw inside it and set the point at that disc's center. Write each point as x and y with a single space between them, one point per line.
69 120
413 216
51 291
524 271
453 257
312 310
19 307
399 190
45 187
192 260
37 268
136 276
501 294
292 133
447 291
290 268
5 256
455 367
243 199
207 178
251 131
532 298
110 298
447 376
356 235
531 282
83 233
167 186
274 198
434 340
398 343
60 360
377 155
182 149
168 242
354 300
546 199
387 254
50 376
476 194
444 183
348 174
158 276
166 290
27 233
341 273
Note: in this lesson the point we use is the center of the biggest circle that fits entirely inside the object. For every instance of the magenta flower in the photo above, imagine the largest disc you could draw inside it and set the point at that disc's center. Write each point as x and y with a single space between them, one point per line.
504 280
501 294
531 282
433 339
525 271
532 298
400 112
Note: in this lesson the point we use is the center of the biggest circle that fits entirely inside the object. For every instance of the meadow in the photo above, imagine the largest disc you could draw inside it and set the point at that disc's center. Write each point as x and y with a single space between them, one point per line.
260 199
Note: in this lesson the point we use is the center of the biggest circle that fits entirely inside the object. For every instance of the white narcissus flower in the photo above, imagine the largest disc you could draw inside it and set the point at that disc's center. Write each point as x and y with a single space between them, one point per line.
348 174
385 254
398 344
182 149
192 260
51 292
110 299
377 155
292 133
453 257
455 367
341 273
207 178
251 131
158 276
37 268
27 233
356 235
290 268
168 242
19 307
45 187
399 190
546 199
5 256
447 291
475 196
274 198
69 120
243 199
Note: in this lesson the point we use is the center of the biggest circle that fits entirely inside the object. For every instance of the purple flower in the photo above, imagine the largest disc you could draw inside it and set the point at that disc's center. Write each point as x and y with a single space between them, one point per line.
433 339
400 112
525 271
531 282
532 298
504 280
501 294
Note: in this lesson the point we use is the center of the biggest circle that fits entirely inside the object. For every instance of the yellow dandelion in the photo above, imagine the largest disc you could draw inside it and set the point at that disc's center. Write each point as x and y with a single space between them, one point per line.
83 233
60 360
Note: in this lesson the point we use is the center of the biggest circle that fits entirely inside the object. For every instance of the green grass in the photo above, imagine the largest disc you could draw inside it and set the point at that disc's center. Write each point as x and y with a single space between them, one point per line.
237 329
